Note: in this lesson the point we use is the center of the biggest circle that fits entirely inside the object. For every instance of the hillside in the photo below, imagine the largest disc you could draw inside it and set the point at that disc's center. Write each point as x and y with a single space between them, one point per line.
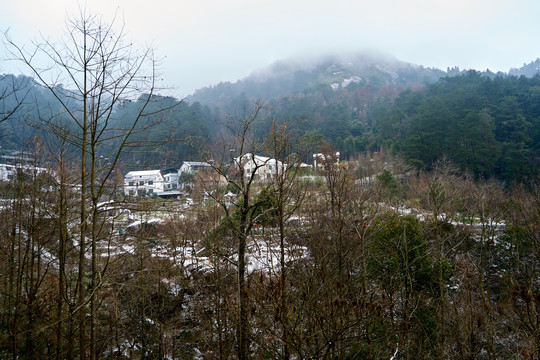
23 105
302 75
375 71
485 122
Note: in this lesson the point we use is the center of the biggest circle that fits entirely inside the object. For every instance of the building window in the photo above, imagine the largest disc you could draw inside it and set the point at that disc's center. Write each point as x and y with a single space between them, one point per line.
131 183
150 191
141 182
131 192
150 182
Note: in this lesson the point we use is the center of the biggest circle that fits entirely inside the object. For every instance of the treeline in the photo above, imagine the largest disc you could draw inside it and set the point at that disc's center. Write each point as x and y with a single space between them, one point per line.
487 125
179 130
490 126
23 106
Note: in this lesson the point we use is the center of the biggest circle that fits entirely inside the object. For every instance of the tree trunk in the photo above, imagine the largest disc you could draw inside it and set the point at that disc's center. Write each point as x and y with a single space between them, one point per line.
243 326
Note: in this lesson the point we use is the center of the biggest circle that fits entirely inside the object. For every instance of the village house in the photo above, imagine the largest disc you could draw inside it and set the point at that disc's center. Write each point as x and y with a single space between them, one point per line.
320 161
144 183
261 167
203 173
170 176
9 172
192 167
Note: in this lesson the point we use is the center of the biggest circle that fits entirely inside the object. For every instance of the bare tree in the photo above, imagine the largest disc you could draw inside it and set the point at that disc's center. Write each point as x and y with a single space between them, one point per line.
239 167
525 254
90 73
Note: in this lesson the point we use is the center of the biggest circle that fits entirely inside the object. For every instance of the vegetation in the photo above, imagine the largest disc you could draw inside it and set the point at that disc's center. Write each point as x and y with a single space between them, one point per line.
432 255
433 265
488 125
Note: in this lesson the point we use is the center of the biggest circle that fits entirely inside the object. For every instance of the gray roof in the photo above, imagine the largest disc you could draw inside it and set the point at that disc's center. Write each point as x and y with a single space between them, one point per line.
196 163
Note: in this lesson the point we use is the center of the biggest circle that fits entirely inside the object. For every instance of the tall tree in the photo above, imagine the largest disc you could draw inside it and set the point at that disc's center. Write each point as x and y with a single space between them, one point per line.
91 72
239 149
289 195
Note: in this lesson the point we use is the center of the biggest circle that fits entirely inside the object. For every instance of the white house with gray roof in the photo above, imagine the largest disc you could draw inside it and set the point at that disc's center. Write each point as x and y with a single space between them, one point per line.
193 167
261 167
144 183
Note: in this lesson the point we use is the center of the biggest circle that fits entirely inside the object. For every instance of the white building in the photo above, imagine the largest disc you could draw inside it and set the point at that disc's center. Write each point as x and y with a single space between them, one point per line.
202 172
8 172
146 182
320 161
191 167
170 177
261 167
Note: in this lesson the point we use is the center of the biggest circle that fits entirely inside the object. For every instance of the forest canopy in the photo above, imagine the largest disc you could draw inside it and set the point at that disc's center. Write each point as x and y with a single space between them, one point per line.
484 123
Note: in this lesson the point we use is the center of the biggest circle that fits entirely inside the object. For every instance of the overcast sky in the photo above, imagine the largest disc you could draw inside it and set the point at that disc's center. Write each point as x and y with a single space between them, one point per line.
209 41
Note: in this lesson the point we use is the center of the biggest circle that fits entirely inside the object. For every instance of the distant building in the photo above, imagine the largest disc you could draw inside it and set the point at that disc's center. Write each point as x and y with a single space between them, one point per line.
320 161
144 183
192 167
202 173
262 168
170 177
8 172
305 169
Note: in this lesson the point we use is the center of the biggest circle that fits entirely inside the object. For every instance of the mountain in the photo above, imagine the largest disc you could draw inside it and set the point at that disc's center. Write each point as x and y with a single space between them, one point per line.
337 71
23 103
488 123
484 122
528 70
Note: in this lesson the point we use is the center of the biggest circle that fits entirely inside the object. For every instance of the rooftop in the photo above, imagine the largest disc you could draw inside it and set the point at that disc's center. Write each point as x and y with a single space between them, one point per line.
143 173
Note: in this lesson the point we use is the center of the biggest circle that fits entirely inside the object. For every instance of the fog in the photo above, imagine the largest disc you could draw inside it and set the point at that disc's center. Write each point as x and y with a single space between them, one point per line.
205 42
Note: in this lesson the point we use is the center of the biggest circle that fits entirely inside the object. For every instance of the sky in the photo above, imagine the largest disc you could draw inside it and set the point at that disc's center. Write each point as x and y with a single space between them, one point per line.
204 42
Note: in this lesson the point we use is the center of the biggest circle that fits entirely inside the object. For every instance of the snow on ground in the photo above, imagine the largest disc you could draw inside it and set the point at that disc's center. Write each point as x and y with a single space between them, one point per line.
471 222
262 256
149 221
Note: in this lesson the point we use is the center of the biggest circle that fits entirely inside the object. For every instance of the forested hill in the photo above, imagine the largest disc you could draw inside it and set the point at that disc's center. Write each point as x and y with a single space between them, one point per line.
487 123
305 75
373 70
490 126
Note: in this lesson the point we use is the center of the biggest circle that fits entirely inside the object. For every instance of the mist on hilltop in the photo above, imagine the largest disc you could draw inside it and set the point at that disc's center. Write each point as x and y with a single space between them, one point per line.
299 74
